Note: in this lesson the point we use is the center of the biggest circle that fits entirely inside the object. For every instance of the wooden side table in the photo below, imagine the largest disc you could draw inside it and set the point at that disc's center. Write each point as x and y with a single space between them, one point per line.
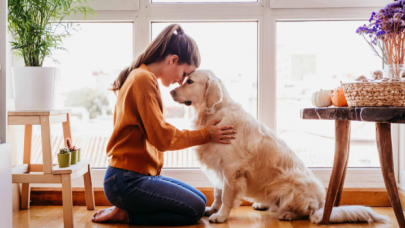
50 173
383 117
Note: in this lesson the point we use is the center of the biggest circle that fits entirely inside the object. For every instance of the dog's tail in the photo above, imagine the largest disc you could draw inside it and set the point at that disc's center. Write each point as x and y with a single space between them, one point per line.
349 214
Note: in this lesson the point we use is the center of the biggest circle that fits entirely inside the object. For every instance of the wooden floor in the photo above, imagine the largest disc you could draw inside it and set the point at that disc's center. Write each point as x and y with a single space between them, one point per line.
244 216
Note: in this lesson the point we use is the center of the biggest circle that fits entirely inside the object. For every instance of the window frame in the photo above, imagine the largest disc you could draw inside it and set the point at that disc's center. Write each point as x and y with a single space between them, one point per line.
114 5
150 3
310 4
267 19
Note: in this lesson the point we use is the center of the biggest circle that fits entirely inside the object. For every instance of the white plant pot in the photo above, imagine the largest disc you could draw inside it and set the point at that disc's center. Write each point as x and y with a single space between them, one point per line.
34 87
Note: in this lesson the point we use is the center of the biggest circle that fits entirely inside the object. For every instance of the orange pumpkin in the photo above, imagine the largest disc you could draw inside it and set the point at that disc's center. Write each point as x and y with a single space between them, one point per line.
338 97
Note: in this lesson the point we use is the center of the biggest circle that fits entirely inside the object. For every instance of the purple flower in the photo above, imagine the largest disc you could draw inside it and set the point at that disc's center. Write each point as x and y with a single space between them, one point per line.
393 5
380 16
387 24
398 16
388 14
372 16
362 30
380 33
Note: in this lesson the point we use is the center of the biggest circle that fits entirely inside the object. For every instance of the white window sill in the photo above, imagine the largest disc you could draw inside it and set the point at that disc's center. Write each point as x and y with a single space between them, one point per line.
355 177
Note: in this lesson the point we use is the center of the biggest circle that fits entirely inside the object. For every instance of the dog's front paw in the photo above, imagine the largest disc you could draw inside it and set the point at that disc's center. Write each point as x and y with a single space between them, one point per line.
209 211
218 218
287 216
317 217
273 208
260 207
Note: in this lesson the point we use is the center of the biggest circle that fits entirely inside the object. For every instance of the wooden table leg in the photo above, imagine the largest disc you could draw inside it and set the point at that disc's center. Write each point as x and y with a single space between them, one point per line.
384 145
342 182
342 139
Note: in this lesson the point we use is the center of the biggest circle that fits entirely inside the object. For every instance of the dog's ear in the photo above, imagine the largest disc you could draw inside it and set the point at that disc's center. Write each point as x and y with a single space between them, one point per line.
213 94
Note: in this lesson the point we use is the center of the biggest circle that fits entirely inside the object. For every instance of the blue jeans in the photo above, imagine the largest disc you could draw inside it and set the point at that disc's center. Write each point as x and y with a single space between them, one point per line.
153 200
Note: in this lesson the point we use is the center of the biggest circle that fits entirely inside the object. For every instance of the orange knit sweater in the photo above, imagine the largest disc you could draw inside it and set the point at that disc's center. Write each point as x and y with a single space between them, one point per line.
140 132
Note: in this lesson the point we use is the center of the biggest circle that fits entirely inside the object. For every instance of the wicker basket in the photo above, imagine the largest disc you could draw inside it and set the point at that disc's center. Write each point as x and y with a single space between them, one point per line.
360 94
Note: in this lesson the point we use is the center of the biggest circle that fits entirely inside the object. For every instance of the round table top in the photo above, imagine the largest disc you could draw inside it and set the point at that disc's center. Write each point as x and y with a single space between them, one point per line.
369 114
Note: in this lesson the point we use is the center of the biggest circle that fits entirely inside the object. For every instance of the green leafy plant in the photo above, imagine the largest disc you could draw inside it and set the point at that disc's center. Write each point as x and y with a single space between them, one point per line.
33 25
64 151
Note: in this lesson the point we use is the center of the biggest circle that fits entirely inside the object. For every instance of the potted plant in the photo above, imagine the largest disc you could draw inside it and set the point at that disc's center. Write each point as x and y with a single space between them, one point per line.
64 158
78 154
32 25
385 34
74 151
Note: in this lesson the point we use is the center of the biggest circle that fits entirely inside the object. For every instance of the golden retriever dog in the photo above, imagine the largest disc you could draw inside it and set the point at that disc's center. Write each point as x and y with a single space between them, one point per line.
257 165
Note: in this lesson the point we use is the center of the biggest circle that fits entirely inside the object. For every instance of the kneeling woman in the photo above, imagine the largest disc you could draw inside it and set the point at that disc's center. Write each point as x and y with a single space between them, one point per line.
133 183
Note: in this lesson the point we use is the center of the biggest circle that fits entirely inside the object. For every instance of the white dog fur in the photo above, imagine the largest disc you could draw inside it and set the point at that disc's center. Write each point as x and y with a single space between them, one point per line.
257 165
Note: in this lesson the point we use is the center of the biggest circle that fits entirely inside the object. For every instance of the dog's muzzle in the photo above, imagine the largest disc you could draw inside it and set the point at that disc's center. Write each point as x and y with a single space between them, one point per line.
173 93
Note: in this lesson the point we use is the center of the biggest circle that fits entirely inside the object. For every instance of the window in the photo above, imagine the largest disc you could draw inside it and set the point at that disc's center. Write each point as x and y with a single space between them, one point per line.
314 55
269 38
97 52
203 1
229 49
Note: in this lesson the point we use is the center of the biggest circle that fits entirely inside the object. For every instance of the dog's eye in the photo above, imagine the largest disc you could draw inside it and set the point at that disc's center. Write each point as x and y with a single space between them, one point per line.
189 81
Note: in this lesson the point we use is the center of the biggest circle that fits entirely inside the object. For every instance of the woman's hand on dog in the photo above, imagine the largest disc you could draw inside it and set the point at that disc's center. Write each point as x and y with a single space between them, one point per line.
220 134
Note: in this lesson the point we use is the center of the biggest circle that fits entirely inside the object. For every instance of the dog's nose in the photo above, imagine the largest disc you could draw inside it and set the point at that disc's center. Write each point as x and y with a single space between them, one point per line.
173 93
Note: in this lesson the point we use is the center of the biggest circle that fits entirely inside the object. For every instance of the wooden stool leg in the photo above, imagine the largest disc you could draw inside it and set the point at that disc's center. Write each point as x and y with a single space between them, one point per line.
88 188
384 145
67 201
25 188
342 182
46 144
342 129
25 196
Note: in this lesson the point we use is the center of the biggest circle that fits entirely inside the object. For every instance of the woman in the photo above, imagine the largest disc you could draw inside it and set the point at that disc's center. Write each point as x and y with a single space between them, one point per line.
133 183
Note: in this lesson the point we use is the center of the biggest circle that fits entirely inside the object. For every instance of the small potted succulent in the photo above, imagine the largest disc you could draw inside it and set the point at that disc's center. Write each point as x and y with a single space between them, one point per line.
74 151
73 148
78 154
64 158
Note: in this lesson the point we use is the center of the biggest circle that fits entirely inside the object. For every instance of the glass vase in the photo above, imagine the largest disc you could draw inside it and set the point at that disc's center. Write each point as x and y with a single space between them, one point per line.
395 71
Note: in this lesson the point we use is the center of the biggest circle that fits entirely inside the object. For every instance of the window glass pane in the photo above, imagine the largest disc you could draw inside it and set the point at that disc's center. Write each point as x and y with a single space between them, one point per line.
201 1
229 49
313 56
97 52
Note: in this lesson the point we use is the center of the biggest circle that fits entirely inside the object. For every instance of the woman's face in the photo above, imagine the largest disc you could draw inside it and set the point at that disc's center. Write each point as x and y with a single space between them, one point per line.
173 72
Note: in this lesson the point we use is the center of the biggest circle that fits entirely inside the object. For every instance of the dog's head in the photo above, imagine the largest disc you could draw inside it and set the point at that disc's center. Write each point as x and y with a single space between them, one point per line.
200 88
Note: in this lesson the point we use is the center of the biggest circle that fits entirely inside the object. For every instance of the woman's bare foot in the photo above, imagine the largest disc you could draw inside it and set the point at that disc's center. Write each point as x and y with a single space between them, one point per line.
112 214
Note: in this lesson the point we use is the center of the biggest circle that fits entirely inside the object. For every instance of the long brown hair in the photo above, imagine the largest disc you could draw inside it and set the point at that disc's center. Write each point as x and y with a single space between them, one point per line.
166 43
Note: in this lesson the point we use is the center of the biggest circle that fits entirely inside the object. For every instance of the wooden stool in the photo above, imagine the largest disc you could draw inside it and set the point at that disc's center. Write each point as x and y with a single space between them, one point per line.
51 173
383 117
